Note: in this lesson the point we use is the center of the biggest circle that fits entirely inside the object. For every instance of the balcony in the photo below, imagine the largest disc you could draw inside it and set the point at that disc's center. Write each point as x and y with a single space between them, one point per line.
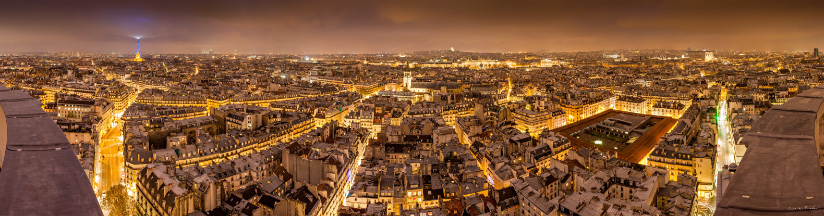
39 173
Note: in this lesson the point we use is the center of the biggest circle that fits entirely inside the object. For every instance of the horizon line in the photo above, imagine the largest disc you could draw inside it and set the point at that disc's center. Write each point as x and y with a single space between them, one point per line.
380 53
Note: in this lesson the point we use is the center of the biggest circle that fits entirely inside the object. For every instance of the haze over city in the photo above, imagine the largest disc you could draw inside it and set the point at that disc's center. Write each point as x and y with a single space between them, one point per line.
262 27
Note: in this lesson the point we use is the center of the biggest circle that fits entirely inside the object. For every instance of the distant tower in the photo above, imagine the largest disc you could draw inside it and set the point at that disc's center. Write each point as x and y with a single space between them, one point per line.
815 52
709 56
137 57
407 79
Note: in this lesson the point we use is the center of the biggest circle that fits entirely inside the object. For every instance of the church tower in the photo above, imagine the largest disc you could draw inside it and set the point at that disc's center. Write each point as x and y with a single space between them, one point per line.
407 79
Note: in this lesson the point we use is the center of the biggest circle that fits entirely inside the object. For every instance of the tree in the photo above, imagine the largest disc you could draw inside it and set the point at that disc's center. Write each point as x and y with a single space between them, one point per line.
117 201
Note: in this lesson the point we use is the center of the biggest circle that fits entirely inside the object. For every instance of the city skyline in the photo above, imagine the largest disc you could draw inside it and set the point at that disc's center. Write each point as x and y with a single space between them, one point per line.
556 131
399 27
385 108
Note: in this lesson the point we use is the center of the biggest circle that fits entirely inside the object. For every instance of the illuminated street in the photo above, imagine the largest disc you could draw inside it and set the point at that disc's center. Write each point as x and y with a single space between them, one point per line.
111 158
726 153
725 156
350 175
111 152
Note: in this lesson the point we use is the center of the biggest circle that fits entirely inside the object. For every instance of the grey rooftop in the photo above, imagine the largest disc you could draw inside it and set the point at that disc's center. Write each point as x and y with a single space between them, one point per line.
39 173
780 173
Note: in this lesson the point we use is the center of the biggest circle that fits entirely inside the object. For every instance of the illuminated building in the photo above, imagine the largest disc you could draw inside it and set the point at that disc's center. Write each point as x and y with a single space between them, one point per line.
332 170
407 79
673 158
162 194
668 108
709 56
631 104
452 112
119 96
579 107
534 118
338 68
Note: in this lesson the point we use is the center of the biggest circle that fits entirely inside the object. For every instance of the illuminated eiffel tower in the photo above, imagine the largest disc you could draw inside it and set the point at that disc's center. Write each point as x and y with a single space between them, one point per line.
137 57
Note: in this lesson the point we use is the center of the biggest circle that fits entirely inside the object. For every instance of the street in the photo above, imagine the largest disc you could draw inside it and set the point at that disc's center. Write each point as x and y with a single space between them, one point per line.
725 156
111 158
109 171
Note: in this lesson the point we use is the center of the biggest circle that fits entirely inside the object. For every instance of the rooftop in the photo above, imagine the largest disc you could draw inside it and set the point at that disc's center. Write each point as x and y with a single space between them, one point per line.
780 174
39 173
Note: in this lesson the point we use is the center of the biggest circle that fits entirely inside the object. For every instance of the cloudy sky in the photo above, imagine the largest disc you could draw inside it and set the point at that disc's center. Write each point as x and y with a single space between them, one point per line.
338 26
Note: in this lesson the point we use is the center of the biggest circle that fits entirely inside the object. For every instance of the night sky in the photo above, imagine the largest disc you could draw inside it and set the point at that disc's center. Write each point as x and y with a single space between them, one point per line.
184 26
